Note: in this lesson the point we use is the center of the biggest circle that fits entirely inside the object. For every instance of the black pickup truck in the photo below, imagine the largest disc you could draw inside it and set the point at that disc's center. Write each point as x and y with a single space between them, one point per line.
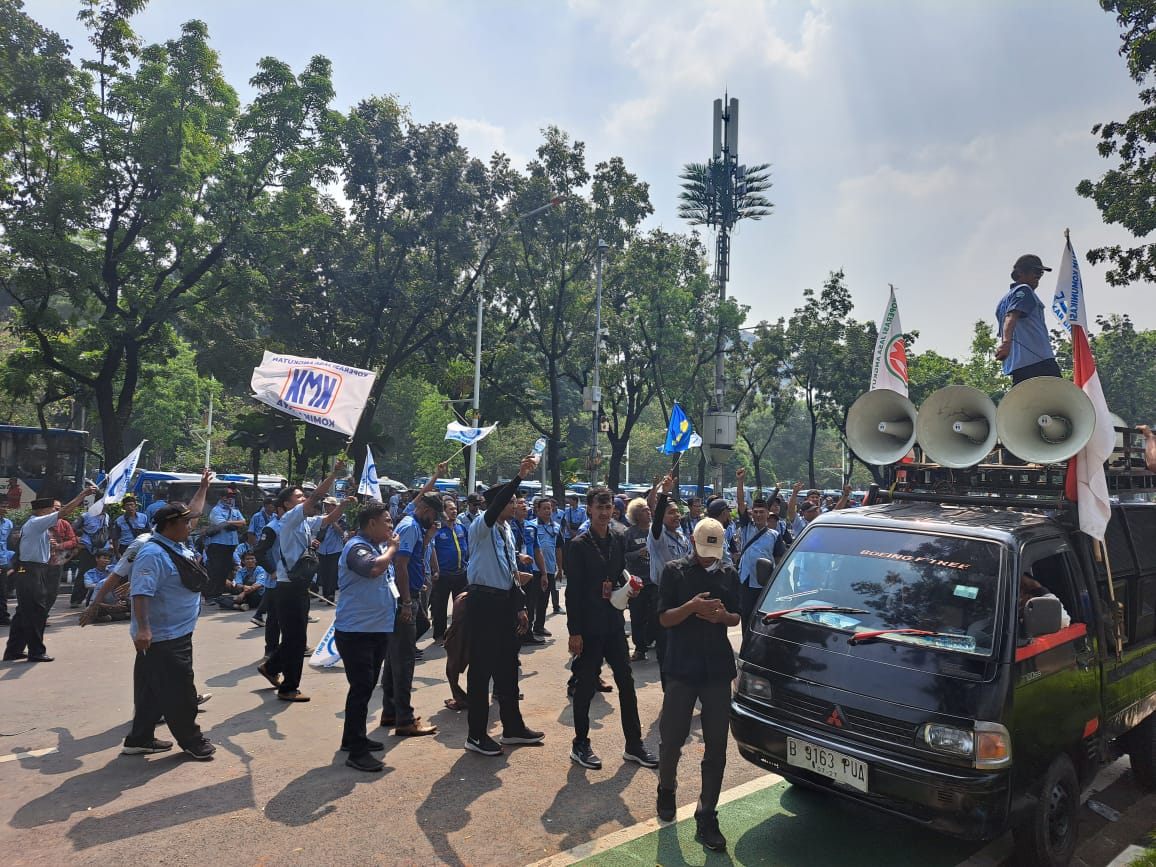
963 666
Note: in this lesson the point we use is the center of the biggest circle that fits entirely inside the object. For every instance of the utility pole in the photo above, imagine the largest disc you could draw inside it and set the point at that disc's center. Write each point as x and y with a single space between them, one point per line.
595 401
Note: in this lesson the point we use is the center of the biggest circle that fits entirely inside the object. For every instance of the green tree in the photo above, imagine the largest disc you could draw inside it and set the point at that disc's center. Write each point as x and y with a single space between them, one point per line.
1124 194
927 372
1126 363
170 402
131 187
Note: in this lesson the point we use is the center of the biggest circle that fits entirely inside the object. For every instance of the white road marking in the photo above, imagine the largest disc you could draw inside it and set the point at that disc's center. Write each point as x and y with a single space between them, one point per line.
30 754
594 847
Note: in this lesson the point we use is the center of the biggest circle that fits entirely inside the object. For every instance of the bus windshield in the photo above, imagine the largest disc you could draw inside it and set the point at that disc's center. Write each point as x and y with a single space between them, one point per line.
921 583
40 463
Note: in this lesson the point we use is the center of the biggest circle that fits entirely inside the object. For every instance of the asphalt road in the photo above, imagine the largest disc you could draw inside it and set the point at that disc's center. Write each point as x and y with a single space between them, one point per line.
278 792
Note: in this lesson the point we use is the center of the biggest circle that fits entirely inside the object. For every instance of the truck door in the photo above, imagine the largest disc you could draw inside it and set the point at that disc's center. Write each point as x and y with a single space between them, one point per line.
1057 698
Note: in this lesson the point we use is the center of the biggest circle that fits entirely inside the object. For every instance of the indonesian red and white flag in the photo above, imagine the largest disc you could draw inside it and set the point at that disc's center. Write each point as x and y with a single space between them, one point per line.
1085 482
889 367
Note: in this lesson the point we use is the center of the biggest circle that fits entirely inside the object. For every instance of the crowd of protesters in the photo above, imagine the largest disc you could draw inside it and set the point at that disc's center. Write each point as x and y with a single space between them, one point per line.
483 575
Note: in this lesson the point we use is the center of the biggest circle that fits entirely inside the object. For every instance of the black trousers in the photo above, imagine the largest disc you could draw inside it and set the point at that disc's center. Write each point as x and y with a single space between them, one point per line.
493 641
268 610
540 599
219 565
674 727
612 648
162 684
448 587
643 616
83 562
292 603
1047 367
34 598
5 581
327 574
362 654
397 673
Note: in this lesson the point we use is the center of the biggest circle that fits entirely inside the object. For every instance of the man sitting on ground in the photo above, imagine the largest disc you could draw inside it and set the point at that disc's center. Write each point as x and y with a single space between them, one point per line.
245 590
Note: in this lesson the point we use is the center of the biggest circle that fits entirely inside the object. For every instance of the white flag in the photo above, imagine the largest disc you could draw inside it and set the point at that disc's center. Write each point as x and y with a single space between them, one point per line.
369 485
1085 482
889 368
467 435
328 395
118 480
325 654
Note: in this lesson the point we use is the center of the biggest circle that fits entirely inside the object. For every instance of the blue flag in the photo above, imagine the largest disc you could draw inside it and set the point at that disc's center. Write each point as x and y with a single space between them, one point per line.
678 433
467 435
369 484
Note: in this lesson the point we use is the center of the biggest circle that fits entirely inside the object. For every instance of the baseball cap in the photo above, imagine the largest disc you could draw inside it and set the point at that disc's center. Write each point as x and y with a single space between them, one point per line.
228 492
1029 262
708 538
717 508
433 501
330 501
170 512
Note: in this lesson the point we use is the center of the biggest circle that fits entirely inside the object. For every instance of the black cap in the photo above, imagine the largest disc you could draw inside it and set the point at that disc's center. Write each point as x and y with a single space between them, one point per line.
1029 262
170 512
718 507
474 499
433 501
43 502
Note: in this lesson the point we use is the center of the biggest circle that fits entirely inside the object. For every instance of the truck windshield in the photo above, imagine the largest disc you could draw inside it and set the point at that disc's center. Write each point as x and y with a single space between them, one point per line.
940 586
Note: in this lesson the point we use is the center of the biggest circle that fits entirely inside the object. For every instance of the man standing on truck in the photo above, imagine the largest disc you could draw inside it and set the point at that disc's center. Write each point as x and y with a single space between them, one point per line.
1024 347
698 600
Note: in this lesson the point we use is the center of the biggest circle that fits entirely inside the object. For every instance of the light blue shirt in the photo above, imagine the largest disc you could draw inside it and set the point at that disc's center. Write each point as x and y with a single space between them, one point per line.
152 508
1030 342
5 531
494 556
364 603
257 576
93 578
293 536
670 545
572 515
219 515
411 539
35 546
173 608
763 547
90 525
334 539
544 537
127 531
258 521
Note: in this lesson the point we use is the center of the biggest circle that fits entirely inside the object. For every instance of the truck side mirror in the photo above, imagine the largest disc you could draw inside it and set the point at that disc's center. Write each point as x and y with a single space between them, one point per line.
763 570
1042 616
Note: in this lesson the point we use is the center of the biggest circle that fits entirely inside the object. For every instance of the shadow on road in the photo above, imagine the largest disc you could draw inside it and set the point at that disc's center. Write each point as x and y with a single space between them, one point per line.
314 794
581 806
446 807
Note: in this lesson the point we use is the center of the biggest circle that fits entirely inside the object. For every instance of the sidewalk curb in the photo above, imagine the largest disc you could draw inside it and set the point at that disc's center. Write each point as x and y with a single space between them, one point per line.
1115 837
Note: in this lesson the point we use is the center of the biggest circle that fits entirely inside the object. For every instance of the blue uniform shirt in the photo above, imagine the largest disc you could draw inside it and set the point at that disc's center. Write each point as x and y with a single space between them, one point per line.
258 521
35 546
572 516
364 603
127 530
546 538
495 556
6 554
334 539
93 578
1030 343
219 515
764 546
452 546
411 536
173 608
152 508
294 533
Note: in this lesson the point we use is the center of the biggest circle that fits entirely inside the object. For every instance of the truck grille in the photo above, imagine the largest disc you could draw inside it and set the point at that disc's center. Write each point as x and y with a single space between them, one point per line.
858 724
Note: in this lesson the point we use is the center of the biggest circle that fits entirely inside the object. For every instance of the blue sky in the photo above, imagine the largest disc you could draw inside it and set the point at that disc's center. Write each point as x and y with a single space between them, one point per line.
923 144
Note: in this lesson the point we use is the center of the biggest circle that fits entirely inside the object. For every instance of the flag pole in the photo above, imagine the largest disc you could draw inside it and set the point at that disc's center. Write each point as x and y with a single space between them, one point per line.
458 452
1102 551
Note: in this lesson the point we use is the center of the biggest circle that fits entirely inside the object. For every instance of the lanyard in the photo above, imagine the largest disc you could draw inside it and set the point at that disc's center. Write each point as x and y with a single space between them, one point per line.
457 547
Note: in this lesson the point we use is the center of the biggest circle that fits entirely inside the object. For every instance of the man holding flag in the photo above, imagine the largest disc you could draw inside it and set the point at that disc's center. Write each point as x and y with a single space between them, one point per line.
1024 347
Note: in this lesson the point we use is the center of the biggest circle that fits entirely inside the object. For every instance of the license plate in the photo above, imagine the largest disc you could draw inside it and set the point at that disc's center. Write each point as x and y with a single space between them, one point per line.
827 763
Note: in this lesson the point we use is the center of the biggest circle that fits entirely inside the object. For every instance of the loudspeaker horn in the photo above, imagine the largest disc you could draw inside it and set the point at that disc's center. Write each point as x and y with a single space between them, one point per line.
956 426
1118 422
881 426
1045 420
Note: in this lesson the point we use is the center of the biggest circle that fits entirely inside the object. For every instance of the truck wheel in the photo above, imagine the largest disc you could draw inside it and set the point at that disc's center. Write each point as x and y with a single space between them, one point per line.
1142 752
1048 838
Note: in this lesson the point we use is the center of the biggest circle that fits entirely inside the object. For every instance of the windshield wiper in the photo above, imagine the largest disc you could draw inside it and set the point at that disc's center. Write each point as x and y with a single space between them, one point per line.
875 635
837 609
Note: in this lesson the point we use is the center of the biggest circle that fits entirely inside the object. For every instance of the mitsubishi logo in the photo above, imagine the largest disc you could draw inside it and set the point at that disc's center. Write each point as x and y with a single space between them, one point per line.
836 717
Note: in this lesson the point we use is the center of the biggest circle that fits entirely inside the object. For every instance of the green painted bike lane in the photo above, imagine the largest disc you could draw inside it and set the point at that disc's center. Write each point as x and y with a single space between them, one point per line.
793 827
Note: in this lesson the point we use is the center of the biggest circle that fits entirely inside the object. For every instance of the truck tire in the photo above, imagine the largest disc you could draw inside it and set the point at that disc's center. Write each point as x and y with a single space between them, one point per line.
1142 752
1048 838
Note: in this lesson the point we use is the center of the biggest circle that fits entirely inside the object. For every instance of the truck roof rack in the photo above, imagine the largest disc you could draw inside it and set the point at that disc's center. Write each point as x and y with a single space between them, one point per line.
1001 479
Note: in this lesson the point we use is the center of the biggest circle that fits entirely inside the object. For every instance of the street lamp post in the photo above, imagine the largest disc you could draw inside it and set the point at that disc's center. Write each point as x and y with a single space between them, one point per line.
475 411
596 390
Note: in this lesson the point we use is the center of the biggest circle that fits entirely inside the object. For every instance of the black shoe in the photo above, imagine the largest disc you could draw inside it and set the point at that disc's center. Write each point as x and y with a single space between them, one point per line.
41 658
15 657
364 762
200 750
156 745
584 755
603 686
532 639
525 736
485 745
543 633
708 833
419 655
559 610
640 754
370 744
203 697
666 805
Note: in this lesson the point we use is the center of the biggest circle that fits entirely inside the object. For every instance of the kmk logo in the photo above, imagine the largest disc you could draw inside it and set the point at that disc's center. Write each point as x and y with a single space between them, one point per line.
312 389
836 718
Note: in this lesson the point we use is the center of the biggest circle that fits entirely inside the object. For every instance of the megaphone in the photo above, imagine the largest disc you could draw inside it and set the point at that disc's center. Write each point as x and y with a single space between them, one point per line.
1118 422
956 426
1045 420
881 426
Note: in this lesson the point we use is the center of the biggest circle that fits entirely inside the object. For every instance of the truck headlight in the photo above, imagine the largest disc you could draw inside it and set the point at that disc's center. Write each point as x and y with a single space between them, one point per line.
987 745
753 686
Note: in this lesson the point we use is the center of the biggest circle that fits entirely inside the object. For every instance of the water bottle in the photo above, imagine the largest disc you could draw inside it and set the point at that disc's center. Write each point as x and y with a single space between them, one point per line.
539 448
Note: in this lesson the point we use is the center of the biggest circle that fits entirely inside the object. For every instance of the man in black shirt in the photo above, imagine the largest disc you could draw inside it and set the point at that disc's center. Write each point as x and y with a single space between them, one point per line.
699 599
595 563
